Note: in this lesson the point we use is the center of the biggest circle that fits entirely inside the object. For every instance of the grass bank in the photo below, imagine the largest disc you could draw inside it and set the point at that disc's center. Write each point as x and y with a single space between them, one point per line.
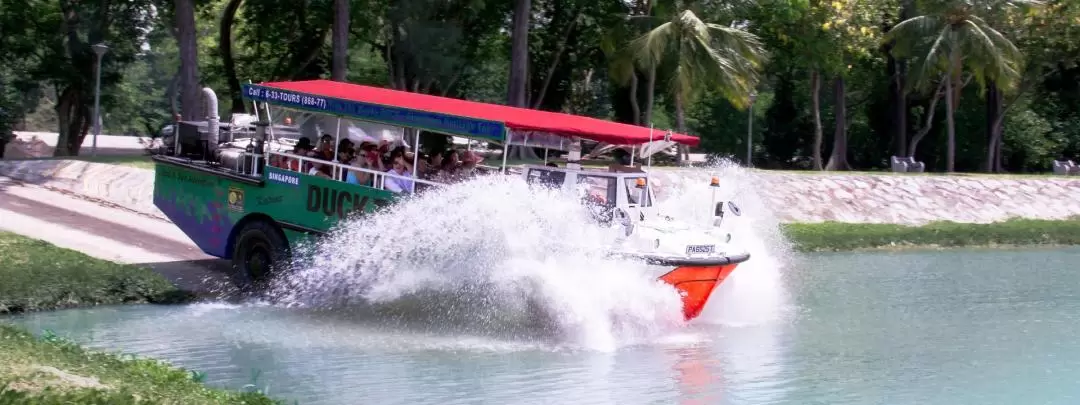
130 160
38 275
836 236
48 370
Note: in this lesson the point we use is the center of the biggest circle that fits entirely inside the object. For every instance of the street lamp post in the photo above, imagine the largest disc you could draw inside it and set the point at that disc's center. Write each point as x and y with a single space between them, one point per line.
99 50
750 130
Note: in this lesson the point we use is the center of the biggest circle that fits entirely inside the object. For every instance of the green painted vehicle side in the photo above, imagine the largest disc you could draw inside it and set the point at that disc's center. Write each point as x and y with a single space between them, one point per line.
209 205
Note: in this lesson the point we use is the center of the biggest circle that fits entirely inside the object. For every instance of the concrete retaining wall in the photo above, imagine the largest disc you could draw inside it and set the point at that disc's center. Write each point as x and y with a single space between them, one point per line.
128 187
858 198
918 199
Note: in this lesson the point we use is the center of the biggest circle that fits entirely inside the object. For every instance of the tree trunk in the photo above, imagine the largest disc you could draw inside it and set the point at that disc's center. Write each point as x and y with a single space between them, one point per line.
559 51
993 129
680 125
519 54
815 91
898 106
929 120
339 65
228 62
650 95
898 103
189 59
634 106
838 158
950 163
999 163
74 120
170 93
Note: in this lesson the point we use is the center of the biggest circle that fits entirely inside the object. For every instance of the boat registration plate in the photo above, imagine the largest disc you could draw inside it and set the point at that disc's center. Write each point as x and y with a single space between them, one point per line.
700 249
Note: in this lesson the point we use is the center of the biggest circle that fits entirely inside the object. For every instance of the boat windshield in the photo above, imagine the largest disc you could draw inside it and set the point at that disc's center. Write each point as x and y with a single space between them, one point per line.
638 195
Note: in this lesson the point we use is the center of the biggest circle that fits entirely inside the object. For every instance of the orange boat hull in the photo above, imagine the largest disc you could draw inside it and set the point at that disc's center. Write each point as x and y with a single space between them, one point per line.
696 284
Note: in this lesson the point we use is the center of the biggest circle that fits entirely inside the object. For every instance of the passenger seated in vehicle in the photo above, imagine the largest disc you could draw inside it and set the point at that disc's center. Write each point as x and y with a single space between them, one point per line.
433 164
468 165
448 166
399 167
345 155
302 148
325 150
366 158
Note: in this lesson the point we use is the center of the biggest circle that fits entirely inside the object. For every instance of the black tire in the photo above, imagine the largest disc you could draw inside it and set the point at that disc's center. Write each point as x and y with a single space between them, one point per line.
260 252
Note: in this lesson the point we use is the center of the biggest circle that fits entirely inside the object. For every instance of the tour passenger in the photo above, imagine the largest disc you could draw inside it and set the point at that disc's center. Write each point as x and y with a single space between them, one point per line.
434 164
449 166
398 167
325 150
302 148
345 155
468 165
367 158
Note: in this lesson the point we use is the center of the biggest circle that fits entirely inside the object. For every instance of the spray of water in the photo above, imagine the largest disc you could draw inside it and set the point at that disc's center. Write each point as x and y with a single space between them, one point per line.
493 256
490 256
755 292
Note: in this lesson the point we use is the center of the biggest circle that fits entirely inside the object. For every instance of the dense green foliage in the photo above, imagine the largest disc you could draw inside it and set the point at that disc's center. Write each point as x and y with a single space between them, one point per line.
987 84
38 275
51 371
835 236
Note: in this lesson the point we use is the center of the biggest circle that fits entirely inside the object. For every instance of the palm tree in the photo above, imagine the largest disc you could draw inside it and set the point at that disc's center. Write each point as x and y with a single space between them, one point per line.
950 38
699 56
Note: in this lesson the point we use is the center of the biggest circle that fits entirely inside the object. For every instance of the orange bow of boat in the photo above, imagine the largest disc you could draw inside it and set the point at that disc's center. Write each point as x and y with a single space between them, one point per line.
696 284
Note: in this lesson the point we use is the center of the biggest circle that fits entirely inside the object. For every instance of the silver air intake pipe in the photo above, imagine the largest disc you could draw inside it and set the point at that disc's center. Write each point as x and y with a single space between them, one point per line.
212 122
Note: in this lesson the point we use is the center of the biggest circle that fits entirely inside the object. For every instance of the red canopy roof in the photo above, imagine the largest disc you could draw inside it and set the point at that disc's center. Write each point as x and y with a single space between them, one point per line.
516 118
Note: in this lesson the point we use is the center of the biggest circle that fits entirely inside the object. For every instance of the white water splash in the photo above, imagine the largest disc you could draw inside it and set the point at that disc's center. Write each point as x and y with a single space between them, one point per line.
489 256
494 257
755 292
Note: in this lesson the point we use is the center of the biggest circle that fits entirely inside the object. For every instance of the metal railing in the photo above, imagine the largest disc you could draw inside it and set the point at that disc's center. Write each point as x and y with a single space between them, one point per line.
339 169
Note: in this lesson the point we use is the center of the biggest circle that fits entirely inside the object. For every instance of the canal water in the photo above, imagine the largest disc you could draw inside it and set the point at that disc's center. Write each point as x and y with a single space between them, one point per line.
929 327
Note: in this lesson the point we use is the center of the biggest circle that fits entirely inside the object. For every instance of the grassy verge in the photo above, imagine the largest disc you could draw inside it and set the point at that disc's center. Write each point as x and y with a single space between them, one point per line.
835 236
50 370
38 275
139 161
1006 176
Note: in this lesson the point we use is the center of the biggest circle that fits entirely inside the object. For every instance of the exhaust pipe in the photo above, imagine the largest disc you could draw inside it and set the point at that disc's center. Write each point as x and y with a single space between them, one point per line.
212 121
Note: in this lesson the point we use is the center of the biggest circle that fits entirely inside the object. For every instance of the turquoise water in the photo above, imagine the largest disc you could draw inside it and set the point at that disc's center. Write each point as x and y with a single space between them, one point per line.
951 327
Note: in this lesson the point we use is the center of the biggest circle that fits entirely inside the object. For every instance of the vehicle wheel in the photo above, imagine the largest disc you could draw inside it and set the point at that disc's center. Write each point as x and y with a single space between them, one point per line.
259 252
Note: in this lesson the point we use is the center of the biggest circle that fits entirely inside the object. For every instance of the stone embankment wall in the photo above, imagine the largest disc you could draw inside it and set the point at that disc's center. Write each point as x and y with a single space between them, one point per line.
918 199
855 198
128 187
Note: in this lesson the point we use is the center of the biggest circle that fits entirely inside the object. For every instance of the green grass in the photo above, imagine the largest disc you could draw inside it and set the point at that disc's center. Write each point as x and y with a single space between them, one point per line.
139 161
835 236
50 370
924 174
36 275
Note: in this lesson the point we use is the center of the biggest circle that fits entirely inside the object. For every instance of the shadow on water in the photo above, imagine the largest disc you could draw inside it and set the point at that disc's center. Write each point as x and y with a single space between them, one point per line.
207 279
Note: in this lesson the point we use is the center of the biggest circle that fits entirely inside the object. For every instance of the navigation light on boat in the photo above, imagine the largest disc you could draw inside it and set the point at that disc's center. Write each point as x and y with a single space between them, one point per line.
715 182
641 182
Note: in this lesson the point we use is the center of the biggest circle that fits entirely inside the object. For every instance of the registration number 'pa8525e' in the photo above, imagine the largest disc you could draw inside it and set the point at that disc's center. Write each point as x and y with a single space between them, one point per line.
700 249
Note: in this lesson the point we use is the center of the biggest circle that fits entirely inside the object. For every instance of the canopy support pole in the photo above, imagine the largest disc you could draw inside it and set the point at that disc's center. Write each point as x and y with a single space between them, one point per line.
270 119
506 148
650 144
633 151
337 141
415 161
545 155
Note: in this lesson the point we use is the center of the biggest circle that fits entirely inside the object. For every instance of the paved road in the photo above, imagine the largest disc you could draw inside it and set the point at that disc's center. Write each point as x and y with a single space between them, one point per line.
112 234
